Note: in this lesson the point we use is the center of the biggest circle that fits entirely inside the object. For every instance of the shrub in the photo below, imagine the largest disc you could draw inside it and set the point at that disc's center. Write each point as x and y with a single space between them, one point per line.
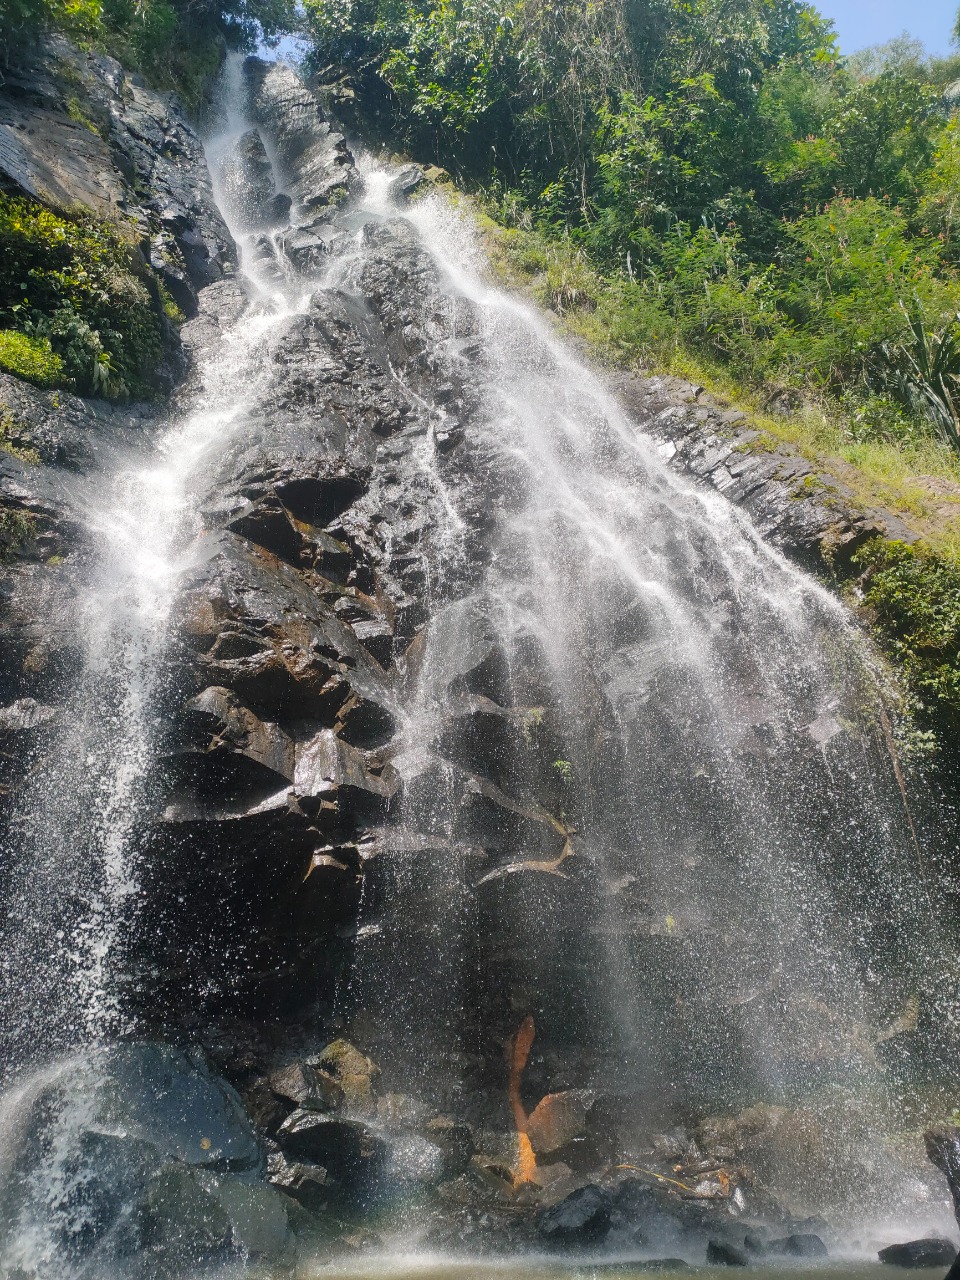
29 358
74 282
914 596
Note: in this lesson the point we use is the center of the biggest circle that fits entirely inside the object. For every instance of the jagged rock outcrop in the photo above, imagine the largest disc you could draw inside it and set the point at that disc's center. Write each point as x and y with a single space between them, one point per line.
812 516
78 130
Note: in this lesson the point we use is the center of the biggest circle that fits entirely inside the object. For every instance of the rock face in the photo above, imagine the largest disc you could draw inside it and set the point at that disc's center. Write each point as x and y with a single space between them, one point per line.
76 129
813 518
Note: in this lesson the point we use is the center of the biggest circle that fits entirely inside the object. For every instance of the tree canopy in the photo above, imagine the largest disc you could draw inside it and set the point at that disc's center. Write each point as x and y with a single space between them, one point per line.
750 194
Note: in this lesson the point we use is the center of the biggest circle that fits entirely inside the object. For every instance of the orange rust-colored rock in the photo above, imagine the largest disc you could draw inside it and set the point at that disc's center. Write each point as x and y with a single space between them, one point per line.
556 1120
518 1051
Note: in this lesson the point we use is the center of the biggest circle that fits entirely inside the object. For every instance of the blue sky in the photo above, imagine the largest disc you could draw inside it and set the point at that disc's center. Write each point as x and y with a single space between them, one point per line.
863 22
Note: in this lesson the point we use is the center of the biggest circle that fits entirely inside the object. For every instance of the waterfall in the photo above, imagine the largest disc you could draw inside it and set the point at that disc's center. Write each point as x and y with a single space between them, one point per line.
645 801
714 885
76 905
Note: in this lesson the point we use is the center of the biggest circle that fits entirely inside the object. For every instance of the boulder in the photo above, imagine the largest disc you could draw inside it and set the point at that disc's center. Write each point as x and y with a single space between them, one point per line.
932 1251
583 1218
306 1087
455 1142
308 1184
246 177
134 1151
353 1071
24 715
353 1156
720 1253
556 1120
408 180
799 1245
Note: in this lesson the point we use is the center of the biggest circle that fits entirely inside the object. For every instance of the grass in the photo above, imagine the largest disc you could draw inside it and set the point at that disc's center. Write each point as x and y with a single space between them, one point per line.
29 358
917 478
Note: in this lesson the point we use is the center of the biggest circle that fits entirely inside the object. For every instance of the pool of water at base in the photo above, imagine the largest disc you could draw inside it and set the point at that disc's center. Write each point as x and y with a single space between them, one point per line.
393 1268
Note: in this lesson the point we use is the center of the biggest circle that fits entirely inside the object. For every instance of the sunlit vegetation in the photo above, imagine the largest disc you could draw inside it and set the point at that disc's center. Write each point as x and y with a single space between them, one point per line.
744 195
75 306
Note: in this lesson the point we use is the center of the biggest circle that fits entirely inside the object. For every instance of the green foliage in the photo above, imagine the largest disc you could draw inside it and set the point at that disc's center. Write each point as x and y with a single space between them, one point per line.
924 371
30 358
74 287
914 596
177 44
18 529
747 197
21 20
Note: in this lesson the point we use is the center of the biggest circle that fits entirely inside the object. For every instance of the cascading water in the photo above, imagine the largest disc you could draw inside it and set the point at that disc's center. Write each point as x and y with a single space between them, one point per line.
712 887
76 912
646 808
75 903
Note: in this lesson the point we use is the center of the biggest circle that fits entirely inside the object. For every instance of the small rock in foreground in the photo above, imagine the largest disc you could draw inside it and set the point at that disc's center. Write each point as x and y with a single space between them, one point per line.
722 1254
930 1252
800 1245
582 1218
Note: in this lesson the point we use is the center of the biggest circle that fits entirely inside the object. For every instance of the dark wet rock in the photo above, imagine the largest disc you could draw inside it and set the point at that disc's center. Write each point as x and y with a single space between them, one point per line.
583 1218
308 1184
720 1253
161 1152
353 1156
62 430
307 1087
661 1264
326 764
247 176
799 1245
407 182
943 1149
312 159
813 517
231 727
929 1252
658 1218
455 1143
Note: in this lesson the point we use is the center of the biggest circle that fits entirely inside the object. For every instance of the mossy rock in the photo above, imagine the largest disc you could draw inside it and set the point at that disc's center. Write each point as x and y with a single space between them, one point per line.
353 1072
32 359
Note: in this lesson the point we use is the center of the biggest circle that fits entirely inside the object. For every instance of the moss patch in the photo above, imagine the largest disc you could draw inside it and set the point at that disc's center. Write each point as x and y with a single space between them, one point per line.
912 596
32 359
18 531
